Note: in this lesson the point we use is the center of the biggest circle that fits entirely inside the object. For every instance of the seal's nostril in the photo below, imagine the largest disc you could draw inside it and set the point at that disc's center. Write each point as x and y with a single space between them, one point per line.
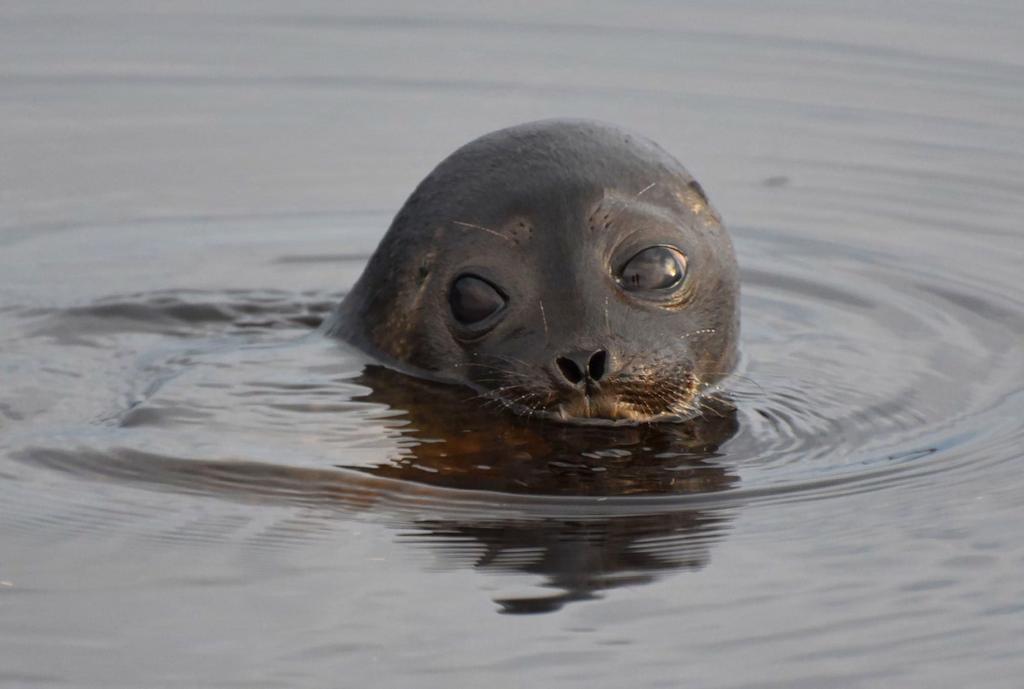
597 365
569 369
576 367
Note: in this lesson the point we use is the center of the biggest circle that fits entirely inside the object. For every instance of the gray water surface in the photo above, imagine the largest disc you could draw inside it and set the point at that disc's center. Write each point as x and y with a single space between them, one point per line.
198 490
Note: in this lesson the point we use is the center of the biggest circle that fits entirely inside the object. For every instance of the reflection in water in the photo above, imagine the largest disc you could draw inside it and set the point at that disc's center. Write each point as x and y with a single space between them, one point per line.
577 559
462 446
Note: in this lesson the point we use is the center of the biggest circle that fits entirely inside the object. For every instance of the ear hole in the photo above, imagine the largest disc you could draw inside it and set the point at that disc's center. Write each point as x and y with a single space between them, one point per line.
695 185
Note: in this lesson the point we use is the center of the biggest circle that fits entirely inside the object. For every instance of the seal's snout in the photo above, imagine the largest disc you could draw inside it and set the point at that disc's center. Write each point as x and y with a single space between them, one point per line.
582 369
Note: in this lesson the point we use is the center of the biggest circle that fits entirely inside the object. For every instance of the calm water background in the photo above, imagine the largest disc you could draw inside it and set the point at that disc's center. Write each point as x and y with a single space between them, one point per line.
185 190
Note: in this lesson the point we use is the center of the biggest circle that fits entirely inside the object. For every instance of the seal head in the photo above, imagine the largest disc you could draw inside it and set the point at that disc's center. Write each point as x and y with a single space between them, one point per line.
563 269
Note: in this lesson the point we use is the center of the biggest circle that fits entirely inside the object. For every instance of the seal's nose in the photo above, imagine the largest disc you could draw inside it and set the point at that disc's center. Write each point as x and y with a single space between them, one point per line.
577 367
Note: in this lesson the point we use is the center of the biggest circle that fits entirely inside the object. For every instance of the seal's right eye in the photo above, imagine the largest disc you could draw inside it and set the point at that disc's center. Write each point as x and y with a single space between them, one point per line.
473 299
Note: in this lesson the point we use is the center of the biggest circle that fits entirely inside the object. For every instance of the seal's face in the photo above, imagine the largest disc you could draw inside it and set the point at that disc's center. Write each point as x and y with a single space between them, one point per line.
595 285
617 316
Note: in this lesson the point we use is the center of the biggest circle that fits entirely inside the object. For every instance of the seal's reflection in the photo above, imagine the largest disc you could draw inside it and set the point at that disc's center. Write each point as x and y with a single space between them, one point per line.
578 559
460 443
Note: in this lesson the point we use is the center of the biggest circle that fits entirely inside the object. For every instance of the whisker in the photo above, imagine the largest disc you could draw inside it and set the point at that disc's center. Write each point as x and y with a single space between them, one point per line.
631 201
644 191
471 226
513 360
733 376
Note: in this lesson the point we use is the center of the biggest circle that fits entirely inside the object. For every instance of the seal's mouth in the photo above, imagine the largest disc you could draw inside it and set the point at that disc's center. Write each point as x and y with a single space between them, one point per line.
609 409
594 406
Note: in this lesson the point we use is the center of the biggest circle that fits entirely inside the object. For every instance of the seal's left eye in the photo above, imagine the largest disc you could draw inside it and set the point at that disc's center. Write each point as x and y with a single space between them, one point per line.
473 299
654 268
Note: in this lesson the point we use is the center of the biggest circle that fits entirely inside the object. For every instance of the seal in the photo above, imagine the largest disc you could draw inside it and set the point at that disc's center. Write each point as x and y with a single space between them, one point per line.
563 269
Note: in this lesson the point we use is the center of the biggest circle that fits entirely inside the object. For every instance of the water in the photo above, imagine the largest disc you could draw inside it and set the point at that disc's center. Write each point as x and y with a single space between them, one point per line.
198 490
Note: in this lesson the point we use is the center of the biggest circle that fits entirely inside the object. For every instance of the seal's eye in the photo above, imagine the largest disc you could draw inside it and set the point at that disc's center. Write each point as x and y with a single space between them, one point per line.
654 268
473 299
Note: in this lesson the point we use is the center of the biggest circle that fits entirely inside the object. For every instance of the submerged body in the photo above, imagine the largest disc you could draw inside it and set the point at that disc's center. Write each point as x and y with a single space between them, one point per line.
564 269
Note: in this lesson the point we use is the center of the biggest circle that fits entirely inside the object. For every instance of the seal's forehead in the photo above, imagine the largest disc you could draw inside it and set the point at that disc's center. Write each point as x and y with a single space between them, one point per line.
530 216
496 205
568 197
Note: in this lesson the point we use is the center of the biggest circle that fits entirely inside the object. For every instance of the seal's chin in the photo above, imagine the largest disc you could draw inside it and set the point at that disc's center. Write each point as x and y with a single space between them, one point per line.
594 407
610 410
